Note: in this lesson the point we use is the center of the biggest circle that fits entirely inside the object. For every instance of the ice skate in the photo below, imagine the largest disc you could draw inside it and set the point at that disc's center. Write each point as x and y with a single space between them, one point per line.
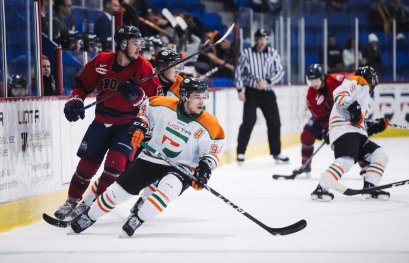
303 172
131 225
380 195
281 159
135 208
82 222
65 210
320 194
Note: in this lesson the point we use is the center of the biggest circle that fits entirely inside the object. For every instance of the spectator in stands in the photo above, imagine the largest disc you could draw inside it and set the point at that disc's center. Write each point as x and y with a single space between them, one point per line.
130 16
45 4
401 13
379 17
372 54
334 56
48 79
103 25
62 9
223 58
348 55
17 85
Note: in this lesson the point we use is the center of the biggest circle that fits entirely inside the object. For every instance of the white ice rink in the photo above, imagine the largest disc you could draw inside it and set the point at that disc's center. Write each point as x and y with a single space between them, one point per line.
198 227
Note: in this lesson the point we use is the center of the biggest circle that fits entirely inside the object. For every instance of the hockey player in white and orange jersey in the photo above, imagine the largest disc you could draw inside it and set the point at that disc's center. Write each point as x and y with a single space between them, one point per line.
349 133
186 134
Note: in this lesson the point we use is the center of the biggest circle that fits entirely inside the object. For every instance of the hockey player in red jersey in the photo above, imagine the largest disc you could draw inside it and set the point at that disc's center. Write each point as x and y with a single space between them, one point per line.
108 72
183 131
319 102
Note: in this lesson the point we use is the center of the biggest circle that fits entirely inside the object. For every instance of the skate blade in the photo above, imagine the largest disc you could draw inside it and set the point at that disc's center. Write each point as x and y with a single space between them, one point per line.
124 235
321 199
279 162
71 232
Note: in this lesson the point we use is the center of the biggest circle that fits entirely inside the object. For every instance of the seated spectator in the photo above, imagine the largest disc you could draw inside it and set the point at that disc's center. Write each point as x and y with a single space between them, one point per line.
62 9
372 54
103 25
401 13
334 56
223 58
17 85
379 17
348 55
48 79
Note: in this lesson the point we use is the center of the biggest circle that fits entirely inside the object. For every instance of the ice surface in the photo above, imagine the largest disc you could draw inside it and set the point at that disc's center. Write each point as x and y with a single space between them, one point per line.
198 227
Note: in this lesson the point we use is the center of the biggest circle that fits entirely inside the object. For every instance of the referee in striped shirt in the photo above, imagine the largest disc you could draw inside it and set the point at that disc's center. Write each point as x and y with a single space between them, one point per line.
259 69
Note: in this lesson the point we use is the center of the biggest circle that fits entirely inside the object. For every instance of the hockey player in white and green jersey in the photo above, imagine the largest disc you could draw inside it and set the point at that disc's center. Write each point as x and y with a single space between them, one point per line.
184 132
349 133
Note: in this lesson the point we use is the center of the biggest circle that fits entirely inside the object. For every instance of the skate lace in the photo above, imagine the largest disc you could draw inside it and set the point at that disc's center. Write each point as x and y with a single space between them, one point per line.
79 209
66 208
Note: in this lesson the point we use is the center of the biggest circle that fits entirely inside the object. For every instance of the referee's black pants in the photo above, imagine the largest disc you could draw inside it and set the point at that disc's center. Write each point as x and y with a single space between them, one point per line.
266 101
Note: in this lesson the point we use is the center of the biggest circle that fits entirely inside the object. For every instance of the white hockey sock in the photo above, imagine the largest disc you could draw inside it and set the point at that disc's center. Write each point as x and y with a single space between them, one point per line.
91 194
338 168
379 159
108 200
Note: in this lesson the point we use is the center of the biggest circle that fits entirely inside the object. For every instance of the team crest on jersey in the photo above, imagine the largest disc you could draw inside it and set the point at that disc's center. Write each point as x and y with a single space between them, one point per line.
84 146
319 99
101 69
197 134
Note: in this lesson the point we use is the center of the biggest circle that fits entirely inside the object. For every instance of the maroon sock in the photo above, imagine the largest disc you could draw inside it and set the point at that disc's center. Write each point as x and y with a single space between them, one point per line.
115 163
86 169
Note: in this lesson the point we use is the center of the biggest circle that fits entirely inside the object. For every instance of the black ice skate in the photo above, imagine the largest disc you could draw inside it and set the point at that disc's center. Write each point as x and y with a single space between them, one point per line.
65 210
82 222
131 225
380 195
321 194
306 170
135 208
79 210
280 159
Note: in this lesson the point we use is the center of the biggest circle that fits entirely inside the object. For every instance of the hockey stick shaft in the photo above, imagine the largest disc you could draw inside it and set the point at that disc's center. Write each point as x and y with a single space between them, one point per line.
209 73
274 231
276 176
164 69
403 127
333 183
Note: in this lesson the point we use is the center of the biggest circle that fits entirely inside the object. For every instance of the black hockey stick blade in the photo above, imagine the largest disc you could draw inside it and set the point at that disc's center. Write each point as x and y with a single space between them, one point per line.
56 222
298 226
349 191
287 177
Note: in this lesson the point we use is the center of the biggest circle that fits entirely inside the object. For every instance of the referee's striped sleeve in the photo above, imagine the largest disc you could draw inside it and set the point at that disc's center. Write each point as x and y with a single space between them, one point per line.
275 69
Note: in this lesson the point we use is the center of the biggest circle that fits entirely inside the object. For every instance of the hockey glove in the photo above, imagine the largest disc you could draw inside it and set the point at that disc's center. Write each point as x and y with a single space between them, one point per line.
355 113
72 109
377 125
201 175
325 135
137 130
131 92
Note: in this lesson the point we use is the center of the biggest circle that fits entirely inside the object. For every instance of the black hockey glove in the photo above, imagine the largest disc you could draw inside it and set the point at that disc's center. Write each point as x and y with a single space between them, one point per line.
355 112
376 126
201 175
72 109
137 130
325 135
131 92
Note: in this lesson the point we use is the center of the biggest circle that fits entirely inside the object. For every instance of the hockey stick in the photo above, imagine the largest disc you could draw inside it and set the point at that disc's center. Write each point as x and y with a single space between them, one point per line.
403 127
298 226
209 73
155 27
332 182
163 69
56 222
295 173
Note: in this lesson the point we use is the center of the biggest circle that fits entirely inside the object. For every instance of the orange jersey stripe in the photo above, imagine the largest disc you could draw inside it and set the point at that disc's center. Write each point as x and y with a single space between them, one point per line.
176 86
333 175
360 80
164 196
379 164
339 167
109 199
373 171
211 124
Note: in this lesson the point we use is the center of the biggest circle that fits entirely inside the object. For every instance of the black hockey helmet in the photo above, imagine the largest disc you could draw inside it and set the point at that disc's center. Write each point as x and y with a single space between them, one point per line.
315 71
190 85
369 74
165 57
71 40
157 42
92 43
126 33
17 81
261 33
